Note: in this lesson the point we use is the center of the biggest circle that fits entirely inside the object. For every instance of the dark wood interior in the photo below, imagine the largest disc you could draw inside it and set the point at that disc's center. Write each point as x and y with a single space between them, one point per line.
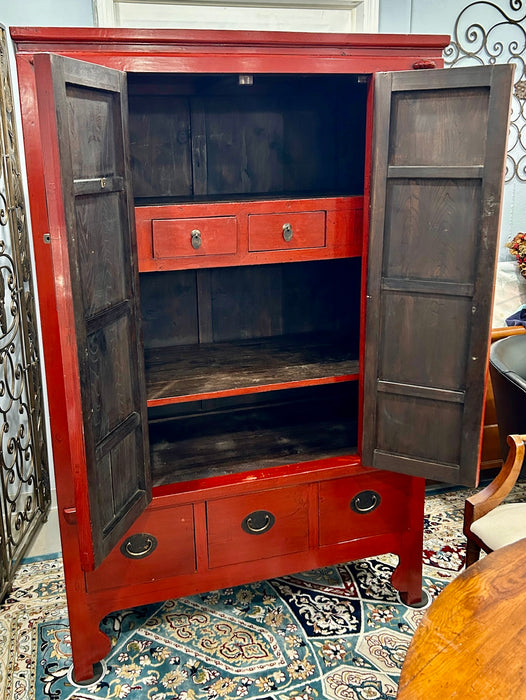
226 436
256 365
195 137
237 358
251 334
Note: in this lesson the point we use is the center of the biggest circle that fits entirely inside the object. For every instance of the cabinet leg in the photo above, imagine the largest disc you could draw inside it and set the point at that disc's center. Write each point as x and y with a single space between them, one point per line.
407 577
89 646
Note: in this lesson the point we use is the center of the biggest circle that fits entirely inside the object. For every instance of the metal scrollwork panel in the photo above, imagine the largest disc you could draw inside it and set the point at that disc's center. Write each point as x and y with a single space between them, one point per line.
24 472
488 33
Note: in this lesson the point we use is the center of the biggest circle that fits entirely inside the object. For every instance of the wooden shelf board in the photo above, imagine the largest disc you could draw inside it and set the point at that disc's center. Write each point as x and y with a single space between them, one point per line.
187 455
213 370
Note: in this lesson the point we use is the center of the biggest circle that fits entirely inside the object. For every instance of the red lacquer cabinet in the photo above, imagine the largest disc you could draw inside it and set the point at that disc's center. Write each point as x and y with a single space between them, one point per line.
265 265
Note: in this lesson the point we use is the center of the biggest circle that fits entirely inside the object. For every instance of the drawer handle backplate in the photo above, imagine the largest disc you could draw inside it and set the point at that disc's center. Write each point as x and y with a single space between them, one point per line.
258 522
365 502
196 238
287 232
138 546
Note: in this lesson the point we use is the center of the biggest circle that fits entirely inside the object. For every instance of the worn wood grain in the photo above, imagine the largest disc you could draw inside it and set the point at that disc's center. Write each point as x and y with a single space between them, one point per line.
188 373
194 136
471 642
434 233
94 255
322 423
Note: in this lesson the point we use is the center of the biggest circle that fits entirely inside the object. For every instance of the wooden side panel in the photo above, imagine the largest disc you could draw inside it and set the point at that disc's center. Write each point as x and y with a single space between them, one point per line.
83 120
439 147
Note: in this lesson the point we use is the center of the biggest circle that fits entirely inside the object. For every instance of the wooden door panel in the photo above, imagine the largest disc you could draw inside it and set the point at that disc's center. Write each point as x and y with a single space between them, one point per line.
110 375
396 441
112 478
101 252
431 233
430 353
438 161
455 117
93 151
82 109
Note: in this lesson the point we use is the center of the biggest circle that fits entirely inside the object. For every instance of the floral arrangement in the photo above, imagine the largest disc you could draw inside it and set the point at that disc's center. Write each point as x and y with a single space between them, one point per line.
517 248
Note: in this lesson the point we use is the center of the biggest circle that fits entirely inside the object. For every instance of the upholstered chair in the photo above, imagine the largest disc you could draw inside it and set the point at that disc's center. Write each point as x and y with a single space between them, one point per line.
488 522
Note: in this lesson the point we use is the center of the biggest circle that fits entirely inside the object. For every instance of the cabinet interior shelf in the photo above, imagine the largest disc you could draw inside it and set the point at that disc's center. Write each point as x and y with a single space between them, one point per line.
212 370
215 440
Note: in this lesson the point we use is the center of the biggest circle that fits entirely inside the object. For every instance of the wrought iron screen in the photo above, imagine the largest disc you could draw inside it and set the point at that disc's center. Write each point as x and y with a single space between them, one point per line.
487 33
24 470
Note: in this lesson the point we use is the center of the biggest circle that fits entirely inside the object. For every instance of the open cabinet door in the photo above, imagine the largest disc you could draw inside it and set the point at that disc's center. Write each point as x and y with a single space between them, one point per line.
82 114
439 146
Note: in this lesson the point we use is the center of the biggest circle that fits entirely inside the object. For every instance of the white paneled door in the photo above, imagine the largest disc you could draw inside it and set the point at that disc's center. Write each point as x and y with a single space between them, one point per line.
263 15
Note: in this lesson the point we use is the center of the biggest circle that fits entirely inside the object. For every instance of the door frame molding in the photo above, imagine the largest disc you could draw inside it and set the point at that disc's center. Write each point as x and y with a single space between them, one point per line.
363 14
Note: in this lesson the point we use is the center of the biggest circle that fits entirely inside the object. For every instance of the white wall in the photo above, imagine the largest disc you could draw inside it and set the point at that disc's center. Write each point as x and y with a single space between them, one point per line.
419 16
46 13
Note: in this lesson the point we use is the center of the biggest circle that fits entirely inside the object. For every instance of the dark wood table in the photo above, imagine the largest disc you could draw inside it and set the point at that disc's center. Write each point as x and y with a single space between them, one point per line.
471 643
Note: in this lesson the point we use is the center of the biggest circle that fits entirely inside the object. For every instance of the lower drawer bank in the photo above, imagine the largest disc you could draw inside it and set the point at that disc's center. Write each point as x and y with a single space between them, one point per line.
183 548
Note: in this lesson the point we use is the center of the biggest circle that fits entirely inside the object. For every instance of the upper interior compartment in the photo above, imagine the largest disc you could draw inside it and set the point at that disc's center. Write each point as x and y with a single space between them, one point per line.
212 137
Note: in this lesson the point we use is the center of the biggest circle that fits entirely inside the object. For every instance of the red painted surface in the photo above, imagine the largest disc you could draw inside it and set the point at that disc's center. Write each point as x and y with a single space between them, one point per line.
261 389
229 544
181 563
172 238
266 231
174 554
340 523
326 227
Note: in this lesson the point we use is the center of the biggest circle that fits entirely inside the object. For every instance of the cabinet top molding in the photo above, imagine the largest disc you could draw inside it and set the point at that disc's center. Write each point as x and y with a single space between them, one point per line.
31 38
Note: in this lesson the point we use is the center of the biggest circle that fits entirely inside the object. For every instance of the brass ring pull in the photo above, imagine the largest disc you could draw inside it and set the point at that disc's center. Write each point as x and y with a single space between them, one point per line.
365 502
138 546
258 522
287 232
258 529
148 544
196 239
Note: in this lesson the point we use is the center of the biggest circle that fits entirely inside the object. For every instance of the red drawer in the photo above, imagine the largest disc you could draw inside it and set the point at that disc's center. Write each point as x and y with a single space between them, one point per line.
175 238
257 526
362 506
286 231
168 531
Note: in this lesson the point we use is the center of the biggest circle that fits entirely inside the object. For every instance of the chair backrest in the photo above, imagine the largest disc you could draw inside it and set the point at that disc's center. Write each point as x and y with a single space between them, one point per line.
508 377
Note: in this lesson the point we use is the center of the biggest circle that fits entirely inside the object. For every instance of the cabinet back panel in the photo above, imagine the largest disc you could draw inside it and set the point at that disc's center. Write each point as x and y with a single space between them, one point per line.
222 304
169 308
161 158
195 136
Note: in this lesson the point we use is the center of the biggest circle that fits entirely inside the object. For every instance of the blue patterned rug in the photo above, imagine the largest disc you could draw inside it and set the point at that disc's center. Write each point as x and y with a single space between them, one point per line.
335 633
